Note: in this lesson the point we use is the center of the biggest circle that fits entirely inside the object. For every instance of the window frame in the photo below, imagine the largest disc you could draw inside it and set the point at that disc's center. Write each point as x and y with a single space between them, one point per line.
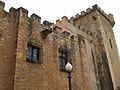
33 58
63 59
110 42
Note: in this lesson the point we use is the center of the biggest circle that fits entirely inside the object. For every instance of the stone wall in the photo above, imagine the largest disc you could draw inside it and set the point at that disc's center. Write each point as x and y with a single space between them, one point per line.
8 38
100 24
86 37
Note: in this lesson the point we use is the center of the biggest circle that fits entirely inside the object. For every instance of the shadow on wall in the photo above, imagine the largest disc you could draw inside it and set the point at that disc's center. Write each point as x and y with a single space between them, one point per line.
118 88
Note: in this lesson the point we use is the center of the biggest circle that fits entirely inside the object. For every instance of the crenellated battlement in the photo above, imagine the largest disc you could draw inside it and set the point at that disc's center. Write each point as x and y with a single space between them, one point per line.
24 13
35 17
70 21
65 21
12 10
109 17
21 9
2 5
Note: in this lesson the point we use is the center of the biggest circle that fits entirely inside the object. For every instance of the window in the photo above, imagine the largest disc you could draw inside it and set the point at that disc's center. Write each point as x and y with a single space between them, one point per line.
62 59
32 53
92 54
110 43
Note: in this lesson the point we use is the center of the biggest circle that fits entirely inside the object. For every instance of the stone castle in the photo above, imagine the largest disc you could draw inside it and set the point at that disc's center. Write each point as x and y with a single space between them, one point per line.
33 55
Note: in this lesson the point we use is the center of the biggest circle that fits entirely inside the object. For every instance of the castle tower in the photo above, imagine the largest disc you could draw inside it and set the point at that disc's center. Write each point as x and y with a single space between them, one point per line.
107 57
33 55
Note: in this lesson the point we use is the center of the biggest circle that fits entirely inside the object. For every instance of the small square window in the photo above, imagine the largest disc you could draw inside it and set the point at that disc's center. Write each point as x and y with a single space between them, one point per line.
32 53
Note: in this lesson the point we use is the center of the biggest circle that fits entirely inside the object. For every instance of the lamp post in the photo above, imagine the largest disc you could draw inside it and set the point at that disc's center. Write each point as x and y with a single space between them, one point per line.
68 68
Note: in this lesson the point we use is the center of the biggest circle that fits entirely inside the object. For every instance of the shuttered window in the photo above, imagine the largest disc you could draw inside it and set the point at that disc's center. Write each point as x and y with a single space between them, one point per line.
32 53
62 59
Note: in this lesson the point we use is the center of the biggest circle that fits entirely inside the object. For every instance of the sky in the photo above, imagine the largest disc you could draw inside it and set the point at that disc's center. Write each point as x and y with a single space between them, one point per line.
51 10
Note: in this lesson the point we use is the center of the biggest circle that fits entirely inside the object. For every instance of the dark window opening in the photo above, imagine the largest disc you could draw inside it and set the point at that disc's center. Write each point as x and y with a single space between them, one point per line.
94 17
110 43
62 59
32 53
92 54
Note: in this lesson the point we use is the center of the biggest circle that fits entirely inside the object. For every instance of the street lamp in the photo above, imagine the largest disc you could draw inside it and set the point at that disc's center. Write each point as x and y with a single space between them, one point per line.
68 68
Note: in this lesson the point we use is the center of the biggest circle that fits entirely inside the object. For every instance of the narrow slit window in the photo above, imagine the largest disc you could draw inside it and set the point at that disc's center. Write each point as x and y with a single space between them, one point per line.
110 43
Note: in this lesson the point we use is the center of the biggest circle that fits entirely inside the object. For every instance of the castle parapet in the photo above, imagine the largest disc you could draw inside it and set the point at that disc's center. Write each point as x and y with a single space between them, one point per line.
77 16
83 13
36 18
23 12
58 22
13 12
2 5
111 18
72 19
88 10
95 7
64 18
70 22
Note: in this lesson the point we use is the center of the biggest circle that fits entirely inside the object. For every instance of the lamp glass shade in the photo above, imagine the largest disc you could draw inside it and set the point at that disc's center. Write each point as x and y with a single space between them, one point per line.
68 67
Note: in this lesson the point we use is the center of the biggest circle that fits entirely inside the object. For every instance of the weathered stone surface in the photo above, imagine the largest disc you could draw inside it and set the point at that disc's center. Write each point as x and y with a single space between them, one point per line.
1 31
87 37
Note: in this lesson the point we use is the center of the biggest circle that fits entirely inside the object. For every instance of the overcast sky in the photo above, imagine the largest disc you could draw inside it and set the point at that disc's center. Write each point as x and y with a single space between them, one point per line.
52 10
